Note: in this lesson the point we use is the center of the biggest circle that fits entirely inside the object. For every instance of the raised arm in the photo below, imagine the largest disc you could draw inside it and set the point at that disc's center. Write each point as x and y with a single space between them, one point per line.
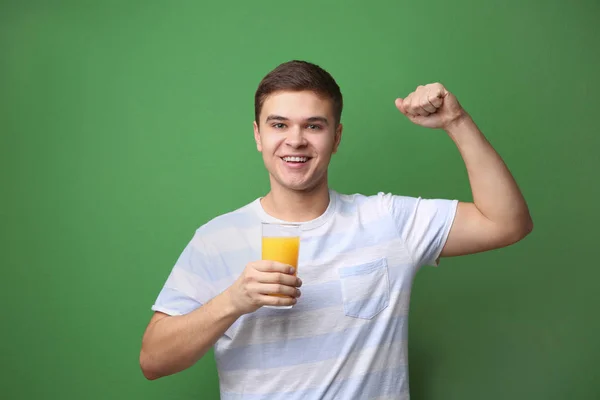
498 215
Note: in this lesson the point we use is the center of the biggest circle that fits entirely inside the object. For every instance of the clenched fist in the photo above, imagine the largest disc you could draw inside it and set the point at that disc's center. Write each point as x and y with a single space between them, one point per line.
264 283
431 106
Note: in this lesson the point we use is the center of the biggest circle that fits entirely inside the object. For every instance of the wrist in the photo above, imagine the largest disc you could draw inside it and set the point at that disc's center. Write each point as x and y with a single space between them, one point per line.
228 306
461 127
458 123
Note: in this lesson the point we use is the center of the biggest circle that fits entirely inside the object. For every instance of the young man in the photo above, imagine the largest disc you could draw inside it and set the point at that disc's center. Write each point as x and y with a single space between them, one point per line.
346 336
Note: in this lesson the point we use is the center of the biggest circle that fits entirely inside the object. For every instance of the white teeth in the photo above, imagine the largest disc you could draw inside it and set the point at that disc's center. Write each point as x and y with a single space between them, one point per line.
295 159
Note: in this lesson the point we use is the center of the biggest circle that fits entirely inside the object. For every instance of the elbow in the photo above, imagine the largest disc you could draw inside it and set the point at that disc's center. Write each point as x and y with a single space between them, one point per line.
520 231
528 226
150 375
148 370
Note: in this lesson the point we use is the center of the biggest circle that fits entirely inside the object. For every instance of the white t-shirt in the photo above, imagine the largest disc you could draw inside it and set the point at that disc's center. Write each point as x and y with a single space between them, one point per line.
346 338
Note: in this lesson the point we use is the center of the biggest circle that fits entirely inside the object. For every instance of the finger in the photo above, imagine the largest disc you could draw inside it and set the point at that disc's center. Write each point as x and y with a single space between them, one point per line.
277 301
418 119
436 101
273 266
420 103
427 106
416 102
400 105
437 93
278 277
419 110
407 106
277 289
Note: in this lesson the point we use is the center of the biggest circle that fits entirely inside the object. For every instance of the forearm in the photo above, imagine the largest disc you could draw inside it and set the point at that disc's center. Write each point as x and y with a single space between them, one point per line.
172 344
494 190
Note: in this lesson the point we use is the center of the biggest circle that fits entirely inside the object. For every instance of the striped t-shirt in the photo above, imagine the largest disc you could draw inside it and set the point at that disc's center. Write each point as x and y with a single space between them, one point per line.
346 338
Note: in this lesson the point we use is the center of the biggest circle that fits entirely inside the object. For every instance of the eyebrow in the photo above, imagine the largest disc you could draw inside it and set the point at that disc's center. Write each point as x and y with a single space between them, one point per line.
310 119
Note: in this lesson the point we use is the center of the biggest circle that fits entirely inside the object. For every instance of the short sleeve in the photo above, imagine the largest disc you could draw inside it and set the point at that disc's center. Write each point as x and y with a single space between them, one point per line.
188 285
423 224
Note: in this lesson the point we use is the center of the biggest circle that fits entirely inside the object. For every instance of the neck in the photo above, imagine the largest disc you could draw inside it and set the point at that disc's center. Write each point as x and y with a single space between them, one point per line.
296 206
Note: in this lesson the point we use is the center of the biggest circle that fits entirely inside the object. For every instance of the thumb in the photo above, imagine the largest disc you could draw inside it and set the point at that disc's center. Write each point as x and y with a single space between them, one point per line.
400 105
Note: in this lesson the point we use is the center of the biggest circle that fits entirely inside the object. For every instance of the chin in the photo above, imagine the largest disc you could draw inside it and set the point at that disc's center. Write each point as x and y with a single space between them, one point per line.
307 186
298 187
306 183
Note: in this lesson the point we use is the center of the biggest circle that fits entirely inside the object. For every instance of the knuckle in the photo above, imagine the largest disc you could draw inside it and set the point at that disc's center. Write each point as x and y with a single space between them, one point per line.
249 289
254 301
258 266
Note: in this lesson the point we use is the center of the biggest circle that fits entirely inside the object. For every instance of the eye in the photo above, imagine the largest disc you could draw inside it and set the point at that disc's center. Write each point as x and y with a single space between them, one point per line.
278 125
314 127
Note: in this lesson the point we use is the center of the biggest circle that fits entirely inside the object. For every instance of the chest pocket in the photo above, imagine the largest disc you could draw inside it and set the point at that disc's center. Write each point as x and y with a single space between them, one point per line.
365 288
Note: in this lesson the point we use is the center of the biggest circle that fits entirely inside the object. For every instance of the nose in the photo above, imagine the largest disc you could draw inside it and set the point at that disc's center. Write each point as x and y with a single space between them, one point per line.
295 138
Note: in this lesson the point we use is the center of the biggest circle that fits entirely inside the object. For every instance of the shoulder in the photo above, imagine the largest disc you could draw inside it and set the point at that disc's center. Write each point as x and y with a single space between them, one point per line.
403 209
380 201
244 217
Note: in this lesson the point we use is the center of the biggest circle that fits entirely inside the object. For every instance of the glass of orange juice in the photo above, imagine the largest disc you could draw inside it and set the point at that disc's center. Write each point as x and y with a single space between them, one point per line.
281 242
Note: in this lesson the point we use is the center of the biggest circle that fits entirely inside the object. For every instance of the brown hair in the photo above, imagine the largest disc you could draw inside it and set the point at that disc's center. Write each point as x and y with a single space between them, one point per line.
297 76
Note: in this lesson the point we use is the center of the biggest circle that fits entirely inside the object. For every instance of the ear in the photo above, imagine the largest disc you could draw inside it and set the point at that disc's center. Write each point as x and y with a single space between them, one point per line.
257 137
338 138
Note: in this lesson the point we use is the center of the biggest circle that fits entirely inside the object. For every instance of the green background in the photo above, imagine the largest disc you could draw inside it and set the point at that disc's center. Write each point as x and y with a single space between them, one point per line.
126 125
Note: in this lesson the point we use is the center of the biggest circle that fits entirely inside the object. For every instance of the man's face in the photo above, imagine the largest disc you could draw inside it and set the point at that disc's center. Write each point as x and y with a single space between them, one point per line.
297 136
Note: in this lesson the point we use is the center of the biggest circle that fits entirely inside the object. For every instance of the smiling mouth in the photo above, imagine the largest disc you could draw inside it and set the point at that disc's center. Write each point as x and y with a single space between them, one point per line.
299 160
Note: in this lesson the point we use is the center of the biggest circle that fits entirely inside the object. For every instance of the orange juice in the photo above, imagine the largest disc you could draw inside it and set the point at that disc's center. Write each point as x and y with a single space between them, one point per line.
283 250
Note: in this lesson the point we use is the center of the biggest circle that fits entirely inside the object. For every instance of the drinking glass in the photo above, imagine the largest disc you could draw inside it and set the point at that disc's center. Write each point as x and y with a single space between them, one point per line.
281 242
